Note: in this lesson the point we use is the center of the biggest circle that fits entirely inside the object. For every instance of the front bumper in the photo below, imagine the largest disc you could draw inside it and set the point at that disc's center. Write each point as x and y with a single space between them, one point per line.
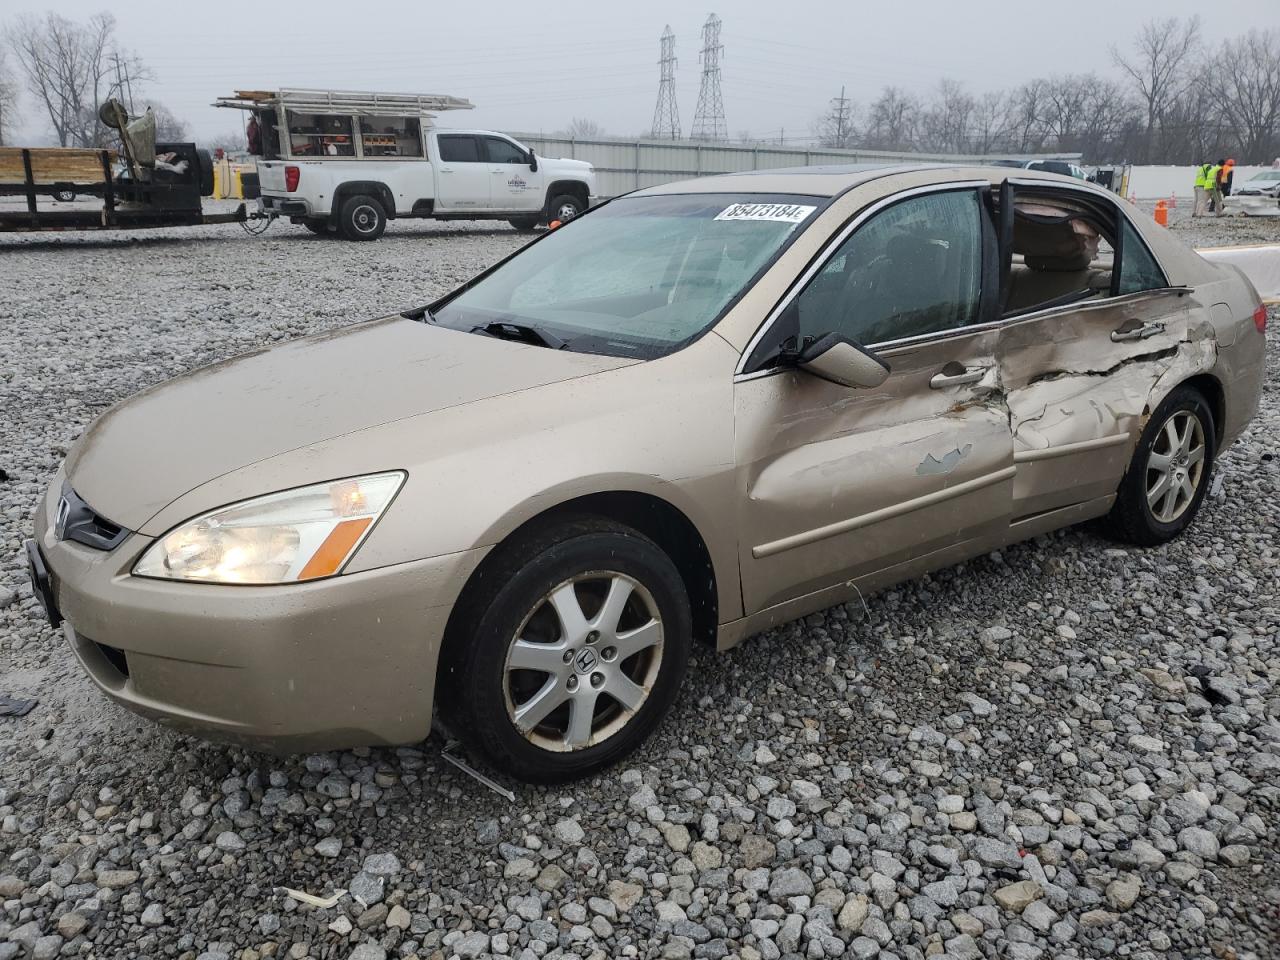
331 664
1253 205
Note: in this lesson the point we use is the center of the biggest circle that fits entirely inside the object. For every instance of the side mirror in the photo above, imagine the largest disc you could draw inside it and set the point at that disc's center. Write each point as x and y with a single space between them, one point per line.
533 161
835 358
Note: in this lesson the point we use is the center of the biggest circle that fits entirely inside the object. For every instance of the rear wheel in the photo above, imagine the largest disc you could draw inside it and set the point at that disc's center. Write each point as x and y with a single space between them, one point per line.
571 656
564 208
524 224
1167 480
362 218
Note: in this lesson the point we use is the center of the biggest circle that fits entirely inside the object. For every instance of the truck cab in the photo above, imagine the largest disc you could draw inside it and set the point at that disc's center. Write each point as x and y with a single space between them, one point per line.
348 163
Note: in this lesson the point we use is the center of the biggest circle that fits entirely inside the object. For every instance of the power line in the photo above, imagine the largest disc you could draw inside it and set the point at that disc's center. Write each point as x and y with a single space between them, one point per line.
666 114
708 119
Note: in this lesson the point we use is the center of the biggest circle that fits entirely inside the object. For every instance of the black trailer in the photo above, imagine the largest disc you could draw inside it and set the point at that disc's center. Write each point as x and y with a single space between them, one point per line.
170 195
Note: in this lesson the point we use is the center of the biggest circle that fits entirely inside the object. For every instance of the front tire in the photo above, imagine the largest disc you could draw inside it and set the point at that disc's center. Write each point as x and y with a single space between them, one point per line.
564 208
570 653
362 218
1167 480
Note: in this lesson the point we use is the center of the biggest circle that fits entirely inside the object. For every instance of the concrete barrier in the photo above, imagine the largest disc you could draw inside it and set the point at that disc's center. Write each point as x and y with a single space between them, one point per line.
1260 263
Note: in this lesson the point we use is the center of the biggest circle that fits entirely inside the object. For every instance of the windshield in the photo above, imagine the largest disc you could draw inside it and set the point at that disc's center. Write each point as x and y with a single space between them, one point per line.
639 277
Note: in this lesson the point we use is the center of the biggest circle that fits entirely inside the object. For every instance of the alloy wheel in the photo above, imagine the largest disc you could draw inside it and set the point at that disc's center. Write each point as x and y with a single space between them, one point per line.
1175 466
583 662
567 211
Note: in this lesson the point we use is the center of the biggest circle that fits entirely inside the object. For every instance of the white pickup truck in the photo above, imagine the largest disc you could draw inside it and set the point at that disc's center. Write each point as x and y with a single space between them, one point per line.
349 162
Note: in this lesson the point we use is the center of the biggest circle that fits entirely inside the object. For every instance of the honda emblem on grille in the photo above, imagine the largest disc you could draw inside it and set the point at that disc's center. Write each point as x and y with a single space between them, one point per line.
60 518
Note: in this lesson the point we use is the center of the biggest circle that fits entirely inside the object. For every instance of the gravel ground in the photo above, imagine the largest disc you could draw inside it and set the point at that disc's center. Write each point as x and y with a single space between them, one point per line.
1062 750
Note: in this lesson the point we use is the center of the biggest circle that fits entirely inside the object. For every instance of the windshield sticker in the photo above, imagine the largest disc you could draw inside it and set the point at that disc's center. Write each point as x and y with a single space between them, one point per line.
774 212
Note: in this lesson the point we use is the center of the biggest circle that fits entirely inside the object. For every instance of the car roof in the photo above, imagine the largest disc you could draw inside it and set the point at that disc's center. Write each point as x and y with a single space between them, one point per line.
832 180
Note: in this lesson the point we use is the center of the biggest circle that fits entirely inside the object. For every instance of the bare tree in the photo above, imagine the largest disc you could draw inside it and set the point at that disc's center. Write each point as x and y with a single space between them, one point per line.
892 121
1162 67
1027 130
580 128
944 125
69 68
169 129
229 141
1245 79
8 98
992 123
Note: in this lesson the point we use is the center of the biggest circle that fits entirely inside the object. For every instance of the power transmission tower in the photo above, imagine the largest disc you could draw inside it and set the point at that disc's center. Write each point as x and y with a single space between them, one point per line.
839 119
708 119
666 115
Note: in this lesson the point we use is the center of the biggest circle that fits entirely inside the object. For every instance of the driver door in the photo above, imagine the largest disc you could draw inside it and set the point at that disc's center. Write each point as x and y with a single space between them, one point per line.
841 485
512 185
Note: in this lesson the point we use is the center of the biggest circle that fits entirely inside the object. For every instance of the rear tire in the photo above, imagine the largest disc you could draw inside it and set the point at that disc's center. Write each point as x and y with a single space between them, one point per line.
362 218
524 224
602 687
1167 480
564 208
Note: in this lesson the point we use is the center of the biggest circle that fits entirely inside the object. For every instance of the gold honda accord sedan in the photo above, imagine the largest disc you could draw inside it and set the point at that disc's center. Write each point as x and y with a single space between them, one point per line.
697 411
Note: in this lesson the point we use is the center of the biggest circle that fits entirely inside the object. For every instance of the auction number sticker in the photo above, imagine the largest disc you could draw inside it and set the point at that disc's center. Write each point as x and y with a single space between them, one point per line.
774 212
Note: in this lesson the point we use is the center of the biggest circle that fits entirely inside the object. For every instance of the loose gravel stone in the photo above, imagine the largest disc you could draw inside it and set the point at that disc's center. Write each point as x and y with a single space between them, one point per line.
869 781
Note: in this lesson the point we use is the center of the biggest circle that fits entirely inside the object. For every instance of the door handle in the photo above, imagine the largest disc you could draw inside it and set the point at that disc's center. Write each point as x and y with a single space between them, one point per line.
940 381
1137 333
446 169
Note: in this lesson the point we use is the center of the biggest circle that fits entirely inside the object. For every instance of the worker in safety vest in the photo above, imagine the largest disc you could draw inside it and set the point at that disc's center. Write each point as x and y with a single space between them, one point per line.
1224 178
1202 189
1215 188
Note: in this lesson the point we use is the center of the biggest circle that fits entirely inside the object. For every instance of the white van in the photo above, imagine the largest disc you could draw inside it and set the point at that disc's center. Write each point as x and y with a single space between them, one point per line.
348 162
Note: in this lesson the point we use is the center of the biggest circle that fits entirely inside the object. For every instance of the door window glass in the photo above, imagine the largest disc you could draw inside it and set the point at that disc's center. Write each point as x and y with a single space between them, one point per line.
391 136
458 149
504 151
915 268
1138 269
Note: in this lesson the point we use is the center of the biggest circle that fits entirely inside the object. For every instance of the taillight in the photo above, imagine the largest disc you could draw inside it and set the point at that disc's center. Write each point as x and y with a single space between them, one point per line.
1260 318
291 175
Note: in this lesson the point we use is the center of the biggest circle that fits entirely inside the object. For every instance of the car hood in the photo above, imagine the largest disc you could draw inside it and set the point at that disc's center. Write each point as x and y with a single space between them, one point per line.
151 449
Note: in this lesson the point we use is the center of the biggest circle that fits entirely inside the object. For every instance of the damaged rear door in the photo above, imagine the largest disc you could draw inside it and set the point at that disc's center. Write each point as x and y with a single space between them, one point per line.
839 484
1078 376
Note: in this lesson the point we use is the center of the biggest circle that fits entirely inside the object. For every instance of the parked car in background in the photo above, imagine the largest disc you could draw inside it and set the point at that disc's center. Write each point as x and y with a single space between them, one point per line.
349 162
1257 196
698 411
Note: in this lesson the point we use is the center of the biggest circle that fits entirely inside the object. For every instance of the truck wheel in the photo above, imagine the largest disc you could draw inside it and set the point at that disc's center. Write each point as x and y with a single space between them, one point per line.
318 227
524 224
362 218
564 207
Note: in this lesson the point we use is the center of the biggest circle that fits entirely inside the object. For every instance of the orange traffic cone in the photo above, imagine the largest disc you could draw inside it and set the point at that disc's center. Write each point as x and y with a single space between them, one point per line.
1162 212
1173 199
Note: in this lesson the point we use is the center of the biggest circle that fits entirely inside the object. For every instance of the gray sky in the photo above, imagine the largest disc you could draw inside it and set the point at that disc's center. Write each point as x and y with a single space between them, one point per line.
535 65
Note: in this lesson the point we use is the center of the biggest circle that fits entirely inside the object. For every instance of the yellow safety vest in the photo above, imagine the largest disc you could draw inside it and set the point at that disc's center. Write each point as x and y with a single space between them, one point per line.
1202 175
1211 178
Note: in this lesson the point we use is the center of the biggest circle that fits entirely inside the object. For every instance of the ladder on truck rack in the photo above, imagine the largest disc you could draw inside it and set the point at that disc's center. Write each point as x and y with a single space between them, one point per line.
345 101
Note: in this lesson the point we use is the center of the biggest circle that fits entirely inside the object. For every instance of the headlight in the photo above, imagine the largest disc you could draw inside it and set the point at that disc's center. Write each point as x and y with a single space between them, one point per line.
301 534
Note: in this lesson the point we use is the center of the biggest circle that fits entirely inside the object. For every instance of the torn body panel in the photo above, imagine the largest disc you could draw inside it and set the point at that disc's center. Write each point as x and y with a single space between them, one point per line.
1080 384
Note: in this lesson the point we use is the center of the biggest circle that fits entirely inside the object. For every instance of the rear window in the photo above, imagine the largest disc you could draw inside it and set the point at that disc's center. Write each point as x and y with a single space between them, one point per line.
459 149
